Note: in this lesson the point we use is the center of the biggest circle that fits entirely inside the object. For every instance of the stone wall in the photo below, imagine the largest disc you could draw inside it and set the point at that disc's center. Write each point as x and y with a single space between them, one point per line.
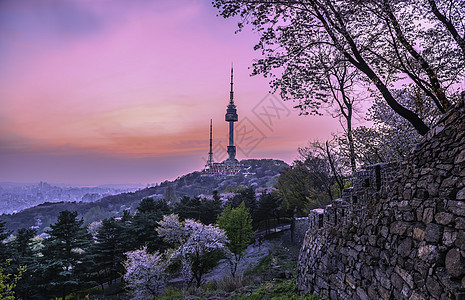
300 226
399 233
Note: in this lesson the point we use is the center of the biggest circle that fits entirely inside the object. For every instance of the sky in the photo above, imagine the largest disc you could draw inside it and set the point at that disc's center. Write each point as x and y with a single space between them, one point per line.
117 91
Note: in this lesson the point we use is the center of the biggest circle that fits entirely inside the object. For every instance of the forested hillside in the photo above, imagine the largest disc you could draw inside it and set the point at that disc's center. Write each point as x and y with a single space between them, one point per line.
264 174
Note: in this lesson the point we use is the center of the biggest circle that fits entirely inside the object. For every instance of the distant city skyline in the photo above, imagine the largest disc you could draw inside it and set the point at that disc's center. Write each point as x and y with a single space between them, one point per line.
93 93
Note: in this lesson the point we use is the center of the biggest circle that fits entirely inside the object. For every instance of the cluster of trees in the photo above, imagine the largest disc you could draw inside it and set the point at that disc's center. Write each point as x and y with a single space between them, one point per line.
190 236
74 256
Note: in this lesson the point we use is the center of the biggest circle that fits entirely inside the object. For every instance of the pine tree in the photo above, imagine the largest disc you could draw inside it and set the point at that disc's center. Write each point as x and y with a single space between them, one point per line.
108 250
25 255
144 223
5 252
65 255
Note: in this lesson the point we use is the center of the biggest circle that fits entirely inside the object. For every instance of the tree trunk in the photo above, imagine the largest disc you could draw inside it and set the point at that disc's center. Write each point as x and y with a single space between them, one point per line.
448 24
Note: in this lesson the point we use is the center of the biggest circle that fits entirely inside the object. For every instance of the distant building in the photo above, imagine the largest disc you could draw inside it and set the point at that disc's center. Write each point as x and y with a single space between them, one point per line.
231 165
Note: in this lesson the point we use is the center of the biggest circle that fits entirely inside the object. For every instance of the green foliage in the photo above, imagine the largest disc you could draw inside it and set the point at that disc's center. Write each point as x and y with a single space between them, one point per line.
278 290
295 188
5 252
25 248
237 223
307 184
8 282
65 256
144 223
247 196
111 242
270 205
202 209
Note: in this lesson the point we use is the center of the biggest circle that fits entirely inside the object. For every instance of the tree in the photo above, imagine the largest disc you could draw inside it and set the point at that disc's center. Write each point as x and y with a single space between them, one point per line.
269 205
9 281
210 210
341 82
145 273
25 255
144 222
237 223
65 256
391 137
197 247
5 252
325 164
170 196
295 188
108 250
247 196
378 38
189 208
450 14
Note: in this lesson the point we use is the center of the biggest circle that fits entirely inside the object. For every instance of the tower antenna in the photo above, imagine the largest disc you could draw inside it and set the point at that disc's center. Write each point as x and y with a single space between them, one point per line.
210 154
231 93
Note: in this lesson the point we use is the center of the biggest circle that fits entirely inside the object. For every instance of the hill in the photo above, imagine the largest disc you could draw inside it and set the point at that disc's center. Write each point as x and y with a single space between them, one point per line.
264 175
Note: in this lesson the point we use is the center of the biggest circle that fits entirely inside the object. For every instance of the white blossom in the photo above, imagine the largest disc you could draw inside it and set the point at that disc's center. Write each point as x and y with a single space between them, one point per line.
145 273
197 247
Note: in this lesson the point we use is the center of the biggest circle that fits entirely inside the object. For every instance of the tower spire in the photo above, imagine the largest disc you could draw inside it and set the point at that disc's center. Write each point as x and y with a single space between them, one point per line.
231 93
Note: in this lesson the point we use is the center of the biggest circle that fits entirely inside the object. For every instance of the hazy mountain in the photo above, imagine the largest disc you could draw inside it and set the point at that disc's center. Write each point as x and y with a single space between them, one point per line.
15 197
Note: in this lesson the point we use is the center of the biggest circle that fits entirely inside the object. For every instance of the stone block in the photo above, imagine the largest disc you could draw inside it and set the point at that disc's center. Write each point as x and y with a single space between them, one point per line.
405 275
461 194
350 281
443 218
408 216
362 294
372 294
449 182
457 207
449 237
460 240
405 247
399 227
460 158
428 252
433 233
419 233
428 215
384 231
455 263
434 287
459 223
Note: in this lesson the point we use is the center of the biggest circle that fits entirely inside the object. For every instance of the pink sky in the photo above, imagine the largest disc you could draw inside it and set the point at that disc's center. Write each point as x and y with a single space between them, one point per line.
95 92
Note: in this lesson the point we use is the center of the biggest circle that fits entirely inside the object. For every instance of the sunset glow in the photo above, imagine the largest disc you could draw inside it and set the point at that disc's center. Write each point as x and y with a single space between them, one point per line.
96 92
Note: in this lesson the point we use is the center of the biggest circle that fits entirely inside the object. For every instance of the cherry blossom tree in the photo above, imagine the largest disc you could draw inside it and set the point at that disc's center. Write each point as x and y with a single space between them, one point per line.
145 273
197 247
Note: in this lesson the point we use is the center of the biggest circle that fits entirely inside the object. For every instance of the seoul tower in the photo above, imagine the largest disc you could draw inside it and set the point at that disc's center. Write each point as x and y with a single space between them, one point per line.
231 117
